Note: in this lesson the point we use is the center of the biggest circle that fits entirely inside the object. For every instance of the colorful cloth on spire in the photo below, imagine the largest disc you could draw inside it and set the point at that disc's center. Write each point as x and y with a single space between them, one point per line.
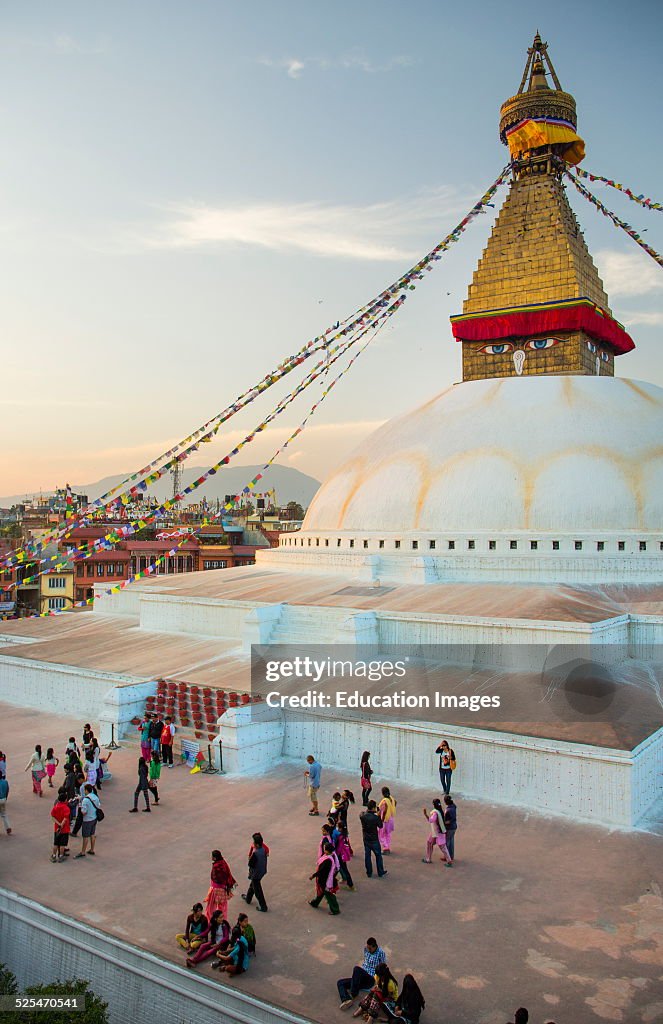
538 318
545 131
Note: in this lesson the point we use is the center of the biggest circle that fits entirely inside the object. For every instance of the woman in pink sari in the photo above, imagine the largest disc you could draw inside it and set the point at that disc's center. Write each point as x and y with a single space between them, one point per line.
437 835
221 887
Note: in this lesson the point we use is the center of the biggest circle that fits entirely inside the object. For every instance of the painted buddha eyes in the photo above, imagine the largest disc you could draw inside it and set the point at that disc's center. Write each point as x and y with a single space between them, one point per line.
497 350
599 352
540 343
535 344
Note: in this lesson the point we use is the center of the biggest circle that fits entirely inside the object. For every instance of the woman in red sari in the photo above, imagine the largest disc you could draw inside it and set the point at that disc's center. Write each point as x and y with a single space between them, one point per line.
221 887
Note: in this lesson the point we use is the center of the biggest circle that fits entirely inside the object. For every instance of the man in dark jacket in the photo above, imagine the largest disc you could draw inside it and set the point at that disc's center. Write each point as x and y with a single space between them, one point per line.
370 823
156 728
258 855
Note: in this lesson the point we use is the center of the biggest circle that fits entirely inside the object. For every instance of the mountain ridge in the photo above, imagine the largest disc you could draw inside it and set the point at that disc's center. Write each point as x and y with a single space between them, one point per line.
290 485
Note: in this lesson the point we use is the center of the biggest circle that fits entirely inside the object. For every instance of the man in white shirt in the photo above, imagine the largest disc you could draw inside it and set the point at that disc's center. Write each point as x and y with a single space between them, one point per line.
89 806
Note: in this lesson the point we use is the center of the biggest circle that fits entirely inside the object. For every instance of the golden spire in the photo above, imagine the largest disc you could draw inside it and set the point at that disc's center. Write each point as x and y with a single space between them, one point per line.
539 123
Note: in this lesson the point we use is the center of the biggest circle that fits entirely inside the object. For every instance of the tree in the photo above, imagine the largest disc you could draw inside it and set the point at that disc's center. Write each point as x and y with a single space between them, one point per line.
295 509
8 986
94 1012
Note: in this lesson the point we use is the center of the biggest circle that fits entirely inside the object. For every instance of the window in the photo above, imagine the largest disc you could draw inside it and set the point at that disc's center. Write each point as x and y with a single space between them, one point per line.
80 569
56 603
661 545
397 543
309 541
555 545
110 569
100 568
578 545
317 542
326 542
415 545
600 545
338 542
492 544
381 544
513 544
89 569
119 569
452 545
352 543
620 545
56 582
534 545
471 545
431 545
643 545
215 564
365 543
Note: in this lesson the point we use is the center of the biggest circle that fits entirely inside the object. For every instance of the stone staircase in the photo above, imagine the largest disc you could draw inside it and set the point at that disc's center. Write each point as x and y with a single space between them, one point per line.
301 625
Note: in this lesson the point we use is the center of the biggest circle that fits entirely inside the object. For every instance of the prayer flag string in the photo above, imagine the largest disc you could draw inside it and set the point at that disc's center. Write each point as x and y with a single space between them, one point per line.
649 204
615 219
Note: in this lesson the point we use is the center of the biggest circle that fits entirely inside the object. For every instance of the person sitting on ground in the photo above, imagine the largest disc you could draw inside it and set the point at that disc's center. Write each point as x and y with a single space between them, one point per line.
385 990
409 1005
217 936
236 960
249 935
362 976
196 929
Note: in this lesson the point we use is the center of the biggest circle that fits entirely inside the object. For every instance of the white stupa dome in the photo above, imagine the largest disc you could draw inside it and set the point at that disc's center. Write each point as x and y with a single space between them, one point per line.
517 468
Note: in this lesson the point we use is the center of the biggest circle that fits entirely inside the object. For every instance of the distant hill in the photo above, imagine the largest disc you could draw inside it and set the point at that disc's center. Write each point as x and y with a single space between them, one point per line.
289 484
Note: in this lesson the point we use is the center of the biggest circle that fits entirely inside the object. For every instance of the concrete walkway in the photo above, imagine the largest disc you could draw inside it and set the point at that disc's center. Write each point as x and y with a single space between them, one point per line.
564 919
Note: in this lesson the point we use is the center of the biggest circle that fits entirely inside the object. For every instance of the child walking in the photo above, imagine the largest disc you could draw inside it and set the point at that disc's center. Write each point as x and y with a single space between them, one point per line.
50 764
155 775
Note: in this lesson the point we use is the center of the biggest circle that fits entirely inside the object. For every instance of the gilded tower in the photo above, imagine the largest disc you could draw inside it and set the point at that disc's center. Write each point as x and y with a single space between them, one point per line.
536 304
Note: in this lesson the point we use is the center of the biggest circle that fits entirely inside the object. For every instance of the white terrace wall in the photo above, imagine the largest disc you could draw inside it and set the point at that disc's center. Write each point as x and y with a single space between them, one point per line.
610 787
63 689
139 987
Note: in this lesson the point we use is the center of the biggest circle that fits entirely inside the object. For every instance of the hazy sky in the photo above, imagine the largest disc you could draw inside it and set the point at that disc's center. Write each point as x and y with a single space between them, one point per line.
191 191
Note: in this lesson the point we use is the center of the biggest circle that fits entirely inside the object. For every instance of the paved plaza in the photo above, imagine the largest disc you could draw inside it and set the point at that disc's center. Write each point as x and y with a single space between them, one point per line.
563 918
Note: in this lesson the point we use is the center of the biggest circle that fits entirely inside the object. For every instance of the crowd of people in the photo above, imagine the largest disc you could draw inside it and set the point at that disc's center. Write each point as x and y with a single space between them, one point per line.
208 934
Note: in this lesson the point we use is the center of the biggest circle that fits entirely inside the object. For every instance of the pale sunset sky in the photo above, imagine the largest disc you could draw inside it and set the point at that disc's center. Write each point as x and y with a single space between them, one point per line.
191 191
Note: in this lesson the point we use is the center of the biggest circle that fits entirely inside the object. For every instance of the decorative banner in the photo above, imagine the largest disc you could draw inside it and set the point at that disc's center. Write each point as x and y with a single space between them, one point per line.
649 204
533 132
615 219
541 317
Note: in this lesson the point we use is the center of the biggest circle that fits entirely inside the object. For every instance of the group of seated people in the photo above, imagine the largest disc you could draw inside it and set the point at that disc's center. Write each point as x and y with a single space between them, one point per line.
381 996
203 939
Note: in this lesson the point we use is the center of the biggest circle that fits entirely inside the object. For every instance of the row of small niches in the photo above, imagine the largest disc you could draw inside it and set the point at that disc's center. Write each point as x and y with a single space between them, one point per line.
452 545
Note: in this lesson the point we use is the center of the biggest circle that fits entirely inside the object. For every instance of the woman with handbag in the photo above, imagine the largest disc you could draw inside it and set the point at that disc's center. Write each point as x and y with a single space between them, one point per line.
36 766
447 765
366 772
